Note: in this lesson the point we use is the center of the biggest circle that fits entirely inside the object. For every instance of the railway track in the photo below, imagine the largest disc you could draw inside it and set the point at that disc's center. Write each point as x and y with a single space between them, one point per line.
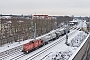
22 55
18 57
38 53
11 52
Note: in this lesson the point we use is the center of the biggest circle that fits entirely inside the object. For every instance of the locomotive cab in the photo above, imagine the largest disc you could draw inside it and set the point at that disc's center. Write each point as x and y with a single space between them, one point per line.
28 47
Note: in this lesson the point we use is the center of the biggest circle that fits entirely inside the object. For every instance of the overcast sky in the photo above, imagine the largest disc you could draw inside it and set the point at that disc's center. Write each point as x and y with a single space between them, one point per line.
50 7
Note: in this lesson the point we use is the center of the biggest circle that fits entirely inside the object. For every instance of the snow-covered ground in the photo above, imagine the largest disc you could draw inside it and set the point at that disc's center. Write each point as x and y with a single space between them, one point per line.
13 45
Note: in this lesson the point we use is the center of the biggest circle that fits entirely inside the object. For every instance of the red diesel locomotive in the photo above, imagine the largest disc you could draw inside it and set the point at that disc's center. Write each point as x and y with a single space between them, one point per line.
32 45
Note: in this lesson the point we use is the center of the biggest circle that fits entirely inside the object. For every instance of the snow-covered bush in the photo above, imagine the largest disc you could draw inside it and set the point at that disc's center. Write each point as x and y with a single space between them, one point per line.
77 40
59 55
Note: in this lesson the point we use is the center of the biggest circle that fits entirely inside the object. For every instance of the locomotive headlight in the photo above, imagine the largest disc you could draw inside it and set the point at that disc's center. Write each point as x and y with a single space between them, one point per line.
27 51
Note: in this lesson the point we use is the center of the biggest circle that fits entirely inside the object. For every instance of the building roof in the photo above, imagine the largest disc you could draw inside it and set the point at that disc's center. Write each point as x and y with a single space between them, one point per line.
40 15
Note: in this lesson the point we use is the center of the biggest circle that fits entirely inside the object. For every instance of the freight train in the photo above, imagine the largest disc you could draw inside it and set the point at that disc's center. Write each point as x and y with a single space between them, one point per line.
34 44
